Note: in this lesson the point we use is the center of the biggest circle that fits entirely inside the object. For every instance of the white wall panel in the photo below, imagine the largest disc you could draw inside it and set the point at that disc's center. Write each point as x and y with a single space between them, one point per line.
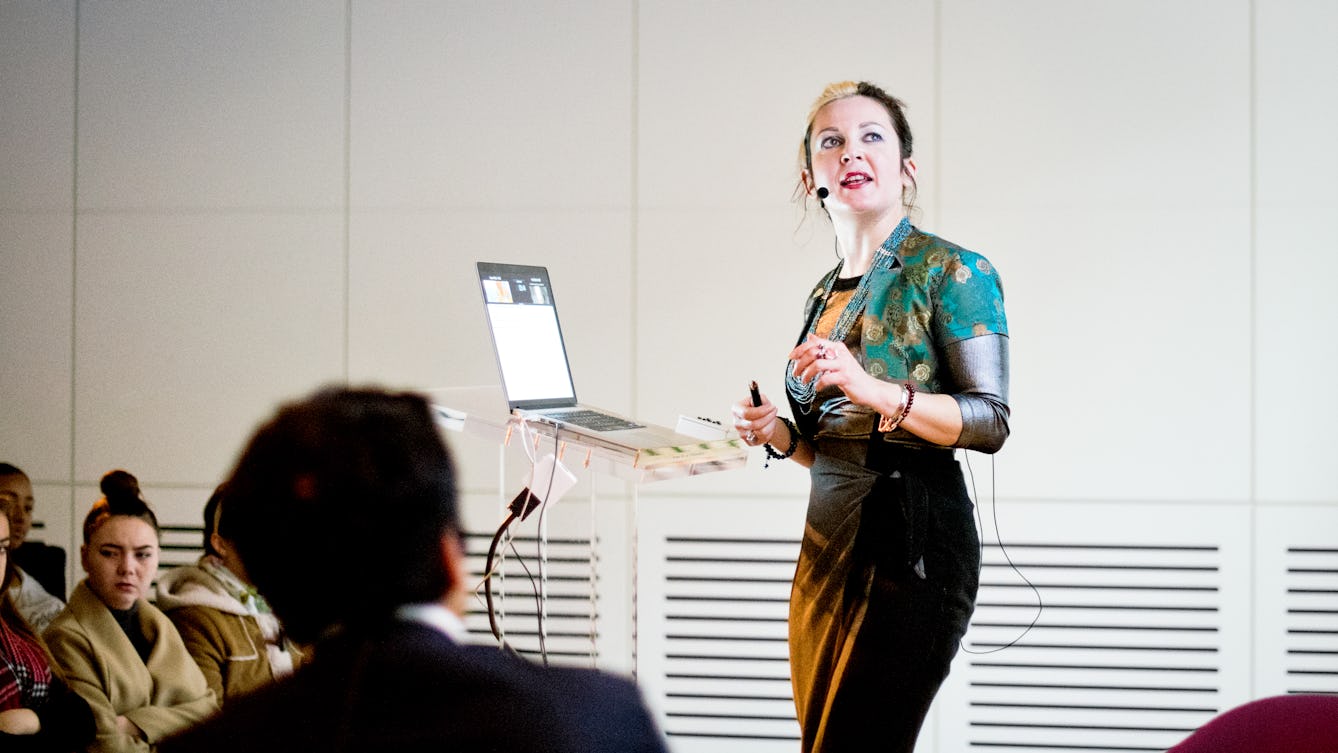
37 120
725 87
1099 156
1296 114
475 105
1130 379
191 327
720 304
237 105
35 344
36 235
1127 106
481 133
416 312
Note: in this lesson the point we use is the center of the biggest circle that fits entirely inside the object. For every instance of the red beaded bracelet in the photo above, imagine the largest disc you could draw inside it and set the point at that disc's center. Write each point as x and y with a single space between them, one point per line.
887 425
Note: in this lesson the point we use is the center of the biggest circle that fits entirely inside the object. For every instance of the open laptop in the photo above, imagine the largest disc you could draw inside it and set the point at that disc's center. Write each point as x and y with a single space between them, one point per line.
532 357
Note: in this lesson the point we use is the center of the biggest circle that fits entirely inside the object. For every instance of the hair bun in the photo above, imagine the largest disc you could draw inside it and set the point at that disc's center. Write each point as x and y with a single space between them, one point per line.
119 484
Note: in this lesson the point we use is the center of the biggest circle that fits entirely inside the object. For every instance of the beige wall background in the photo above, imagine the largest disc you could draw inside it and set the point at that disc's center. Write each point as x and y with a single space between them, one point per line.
207 208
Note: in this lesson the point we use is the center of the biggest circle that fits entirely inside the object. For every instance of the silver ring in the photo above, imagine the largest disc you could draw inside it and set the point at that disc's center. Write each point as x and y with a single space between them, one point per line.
751 437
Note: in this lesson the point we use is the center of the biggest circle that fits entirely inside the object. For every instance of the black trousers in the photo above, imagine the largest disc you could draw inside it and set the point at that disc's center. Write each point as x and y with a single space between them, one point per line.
883 593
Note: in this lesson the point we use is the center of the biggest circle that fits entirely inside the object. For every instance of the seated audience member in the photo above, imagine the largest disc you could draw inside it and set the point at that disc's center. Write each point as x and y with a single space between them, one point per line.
1284 723
38 711
39 578
116 649
226 625
391 671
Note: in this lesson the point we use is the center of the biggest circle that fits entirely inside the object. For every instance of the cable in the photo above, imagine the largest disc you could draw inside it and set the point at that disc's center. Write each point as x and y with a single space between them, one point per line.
543 651
488 571
539 611
994 509
520 508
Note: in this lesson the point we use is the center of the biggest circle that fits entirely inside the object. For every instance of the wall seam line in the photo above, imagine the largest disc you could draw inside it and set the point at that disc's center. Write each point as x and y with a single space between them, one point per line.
348 185
1253 127
74 276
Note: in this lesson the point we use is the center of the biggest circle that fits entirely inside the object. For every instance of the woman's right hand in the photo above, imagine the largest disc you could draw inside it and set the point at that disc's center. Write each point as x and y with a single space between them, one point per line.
756 424
20 722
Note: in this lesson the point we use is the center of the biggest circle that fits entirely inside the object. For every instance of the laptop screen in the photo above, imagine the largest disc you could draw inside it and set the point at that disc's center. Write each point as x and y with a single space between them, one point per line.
526 336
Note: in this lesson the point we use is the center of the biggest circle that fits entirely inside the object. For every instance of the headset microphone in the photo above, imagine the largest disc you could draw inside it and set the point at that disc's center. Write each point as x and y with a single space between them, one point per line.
822 192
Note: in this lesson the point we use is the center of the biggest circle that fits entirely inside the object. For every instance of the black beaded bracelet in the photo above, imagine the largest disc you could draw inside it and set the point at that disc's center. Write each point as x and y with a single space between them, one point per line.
772 454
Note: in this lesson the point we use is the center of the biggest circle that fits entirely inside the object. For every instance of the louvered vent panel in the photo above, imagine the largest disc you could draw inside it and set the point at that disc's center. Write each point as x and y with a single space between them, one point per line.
181 545
1146 631
570 617
1123 657
1296 592
1312 620
726 667
1144 634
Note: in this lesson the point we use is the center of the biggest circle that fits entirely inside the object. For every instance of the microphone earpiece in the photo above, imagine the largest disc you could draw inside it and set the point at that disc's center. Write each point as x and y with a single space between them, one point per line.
822 192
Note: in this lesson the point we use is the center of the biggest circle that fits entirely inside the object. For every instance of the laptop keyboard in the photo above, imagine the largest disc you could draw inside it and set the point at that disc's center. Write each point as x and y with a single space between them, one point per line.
594 420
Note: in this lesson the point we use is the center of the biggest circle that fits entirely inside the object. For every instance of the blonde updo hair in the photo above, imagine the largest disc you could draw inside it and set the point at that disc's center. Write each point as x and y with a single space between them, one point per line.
895 111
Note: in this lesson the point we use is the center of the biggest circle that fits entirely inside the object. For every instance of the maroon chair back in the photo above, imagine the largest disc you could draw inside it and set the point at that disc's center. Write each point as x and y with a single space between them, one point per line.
1279 724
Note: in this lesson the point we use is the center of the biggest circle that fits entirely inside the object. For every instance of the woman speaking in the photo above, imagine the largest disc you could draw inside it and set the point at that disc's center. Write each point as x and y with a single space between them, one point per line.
902 357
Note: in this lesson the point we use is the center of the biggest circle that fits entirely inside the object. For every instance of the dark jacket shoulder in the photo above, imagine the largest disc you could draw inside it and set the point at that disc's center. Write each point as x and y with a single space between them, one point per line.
408 687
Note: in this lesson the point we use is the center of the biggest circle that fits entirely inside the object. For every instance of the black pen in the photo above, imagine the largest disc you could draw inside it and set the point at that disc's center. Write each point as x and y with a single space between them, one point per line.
757 396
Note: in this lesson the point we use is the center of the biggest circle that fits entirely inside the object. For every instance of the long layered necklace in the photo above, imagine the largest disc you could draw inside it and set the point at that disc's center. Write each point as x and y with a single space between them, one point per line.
804 392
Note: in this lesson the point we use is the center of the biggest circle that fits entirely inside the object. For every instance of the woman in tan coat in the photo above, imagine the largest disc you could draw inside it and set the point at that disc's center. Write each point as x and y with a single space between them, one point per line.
117 650
227 626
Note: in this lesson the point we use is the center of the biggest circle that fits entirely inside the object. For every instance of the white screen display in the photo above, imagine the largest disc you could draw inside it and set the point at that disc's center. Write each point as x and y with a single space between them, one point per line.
529 348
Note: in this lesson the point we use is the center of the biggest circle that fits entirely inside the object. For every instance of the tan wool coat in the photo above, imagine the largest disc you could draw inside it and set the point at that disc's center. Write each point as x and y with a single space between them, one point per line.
163 696
226 641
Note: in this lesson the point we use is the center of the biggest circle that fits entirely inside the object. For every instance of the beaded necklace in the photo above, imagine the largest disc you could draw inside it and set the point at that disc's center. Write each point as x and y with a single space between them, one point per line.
804 392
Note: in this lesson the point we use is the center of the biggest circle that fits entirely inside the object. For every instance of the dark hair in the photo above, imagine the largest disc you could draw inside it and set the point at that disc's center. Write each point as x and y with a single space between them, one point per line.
895 110
304 488
7 470
9 611
120 496
210 513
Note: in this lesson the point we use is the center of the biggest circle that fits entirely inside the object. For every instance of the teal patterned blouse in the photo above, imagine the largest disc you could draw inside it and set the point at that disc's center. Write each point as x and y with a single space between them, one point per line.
933 293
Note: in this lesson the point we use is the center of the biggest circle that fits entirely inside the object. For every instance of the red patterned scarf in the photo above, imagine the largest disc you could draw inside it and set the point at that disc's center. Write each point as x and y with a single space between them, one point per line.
25 673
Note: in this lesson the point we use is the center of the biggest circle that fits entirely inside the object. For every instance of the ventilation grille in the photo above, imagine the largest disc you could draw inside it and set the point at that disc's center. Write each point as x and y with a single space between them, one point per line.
570 618
726 662
181 545
1312 620
1123 656
568 581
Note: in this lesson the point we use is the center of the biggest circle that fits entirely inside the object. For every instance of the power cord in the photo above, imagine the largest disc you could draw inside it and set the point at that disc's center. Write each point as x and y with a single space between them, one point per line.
520 508
994 510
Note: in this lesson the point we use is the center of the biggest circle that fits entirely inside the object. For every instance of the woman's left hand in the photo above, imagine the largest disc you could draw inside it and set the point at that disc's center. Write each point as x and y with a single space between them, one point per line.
833 365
